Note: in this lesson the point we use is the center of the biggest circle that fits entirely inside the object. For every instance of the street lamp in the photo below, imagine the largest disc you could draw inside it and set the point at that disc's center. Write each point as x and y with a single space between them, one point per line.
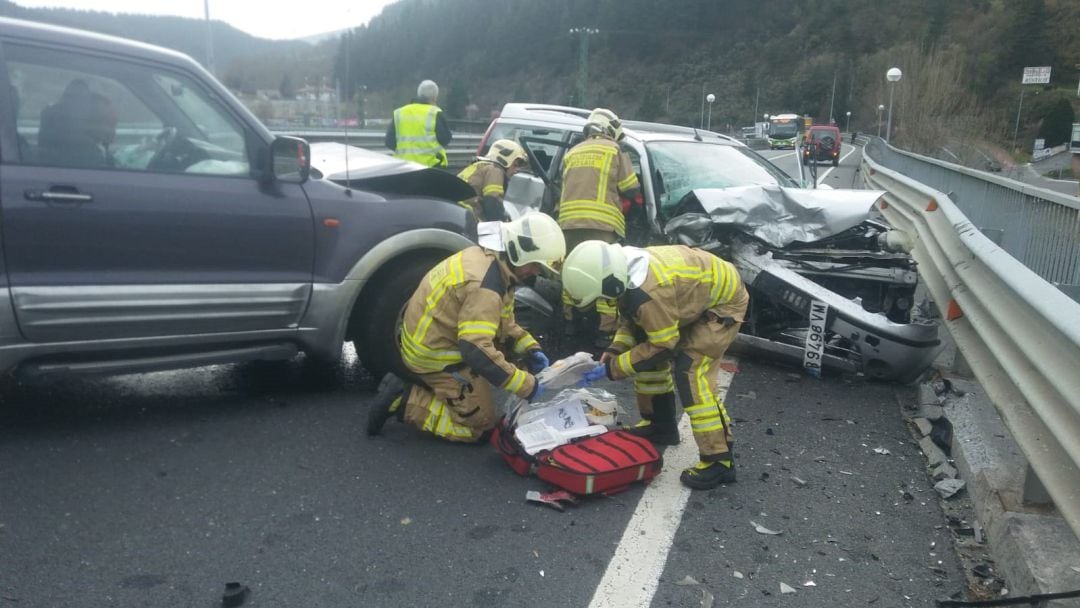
710 98
880 109
893 76
583 61
847 123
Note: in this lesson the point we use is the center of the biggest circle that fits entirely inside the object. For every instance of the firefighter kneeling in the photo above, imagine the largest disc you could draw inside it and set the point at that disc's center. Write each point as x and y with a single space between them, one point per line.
461 310
677 305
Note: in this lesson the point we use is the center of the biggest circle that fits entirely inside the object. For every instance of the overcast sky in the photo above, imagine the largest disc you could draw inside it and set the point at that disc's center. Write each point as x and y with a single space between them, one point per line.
264 18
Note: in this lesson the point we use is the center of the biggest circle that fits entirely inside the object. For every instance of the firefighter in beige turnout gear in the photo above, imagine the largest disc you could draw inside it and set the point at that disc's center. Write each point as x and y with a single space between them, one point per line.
488 177
597 176
453 324
679 307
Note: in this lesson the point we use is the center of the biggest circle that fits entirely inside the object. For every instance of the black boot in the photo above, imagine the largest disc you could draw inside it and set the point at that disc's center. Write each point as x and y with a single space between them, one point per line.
389 403
706 475
661 428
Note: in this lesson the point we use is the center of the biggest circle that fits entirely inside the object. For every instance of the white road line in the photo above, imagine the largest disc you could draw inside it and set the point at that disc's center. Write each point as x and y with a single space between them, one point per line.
821 178
633 575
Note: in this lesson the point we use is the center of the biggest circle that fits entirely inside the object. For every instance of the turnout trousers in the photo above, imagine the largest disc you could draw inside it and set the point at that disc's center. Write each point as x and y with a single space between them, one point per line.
456 406
703 343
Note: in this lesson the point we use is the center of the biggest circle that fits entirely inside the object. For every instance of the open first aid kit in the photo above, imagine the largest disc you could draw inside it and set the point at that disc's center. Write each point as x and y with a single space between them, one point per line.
567 441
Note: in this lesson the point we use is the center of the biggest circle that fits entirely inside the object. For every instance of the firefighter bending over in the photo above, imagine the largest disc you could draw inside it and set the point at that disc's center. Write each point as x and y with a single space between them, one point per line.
488 177
677 305
464 308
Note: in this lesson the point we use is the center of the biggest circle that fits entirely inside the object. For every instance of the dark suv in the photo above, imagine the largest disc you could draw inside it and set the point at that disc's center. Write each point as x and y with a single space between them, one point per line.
821 143
151 222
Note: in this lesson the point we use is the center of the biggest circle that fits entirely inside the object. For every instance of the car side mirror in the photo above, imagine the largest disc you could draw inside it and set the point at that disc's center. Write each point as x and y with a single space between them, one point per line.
290 159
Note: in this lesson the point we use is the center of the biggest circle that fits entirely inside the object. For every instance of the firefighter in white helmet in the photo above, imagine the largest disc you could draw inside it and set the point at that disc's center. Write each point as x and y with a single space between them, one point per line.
453 324
488 176
680 307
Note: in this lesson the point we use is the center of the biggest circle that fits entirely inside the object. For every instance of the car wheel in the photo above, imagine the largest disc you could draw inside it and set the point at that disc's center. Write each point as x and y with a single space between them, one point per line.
379 350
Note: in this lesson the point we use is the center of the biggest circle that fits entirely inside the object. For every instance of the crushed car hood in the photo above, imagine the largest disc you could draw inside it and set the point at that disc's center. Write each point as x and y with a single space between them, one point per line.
781 216
372 170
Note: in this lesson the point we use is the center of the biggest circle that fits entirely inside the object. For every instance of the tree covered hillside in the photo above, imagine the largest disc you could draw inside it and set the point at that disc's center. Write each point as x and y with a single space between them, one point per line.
650 59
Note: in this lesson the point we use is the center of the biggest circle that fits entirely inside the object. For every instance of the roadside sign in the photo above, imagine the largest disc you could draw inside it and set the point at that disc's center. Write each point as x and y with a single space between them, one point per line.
1036 75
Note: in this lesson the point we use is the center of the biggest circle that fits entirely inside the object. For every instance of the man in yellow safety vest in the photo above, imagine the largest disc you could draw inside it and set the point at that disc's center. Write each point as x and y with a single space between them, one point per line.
419 131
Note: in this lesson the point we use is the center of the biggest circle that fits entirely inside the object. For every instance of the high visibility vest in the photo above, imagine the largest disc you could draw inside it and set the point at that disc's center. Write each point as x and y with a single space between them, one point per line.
414 129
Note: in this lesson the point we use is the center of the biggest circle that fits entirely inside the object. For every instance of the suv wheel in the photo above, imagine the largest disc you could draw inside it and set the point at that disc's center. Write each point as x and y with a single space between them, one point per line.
384 306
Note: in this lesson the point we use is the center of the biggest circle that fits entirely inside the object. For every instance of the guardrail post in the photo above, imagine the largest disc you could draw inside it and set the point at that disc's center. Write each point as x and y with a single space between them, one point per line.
1034 491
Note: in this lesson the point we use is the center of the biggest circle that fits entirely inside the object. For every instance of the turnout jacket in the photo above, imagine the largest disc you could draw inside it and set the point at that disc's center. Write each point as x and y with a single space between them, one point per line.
461 309
682 285
595 173
488 181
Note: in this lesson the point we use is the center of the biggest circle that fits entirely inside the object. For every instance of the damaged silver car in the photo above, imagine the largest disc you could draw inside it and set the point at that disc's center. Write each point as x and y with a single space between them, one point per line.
831 287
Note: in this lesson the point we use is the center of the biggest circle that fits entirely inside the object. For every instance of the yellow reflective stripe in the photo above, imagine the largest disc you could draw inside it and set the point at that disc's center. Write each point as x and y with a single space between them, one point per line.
479 328
699 409
705 427
626 368
605 175
701 374
524 343
467 172
663 335
730 281
455 276
655 375
607 306
508 308
627 182
598 207
623 339
514 383
492 189
439 422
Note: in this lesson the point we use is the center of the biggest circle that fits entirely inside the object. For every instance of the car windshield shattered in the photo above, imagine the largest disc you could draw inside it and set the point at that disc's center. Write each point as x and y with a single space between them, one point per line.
681 167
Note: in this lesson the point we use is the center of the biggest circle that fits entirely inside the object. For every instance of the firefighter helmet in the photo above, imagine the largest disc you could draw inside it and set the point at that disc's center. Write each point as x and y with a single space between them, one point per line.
535 237
604 122
506 153
594 269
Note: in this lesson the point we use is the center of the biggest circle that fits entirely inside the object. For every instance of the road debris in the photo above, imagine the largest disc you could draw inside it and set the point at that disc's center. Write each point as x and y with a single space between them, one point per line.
799 482
934 455
235 594
944 471
923 425
786 589
737 574
760 529
809 584
748 395
882 451
552 499
688 581
948 488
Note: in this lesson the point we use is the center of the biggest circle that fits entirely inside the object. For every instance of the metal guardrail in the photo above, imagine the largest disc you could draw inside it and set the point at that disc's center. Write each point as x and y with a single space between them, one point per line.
1039 227
461 152
1020 334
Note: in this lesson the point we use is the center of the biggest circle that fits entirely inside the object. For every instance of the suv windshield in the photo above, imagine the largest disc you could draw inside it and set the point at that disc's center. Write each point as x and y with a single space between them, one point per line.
681 166
781 130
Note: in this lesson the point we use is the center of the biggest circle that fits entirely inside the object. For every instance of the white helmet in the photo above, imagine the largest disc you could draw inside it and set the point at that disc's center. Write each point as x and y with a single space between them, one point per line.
604 122
594 269
535 237
506 152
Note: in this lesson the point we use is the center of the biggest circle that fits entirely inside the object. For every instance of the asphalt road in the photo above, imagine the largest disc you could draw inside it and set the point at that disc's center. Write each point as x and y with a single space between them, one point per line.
157 489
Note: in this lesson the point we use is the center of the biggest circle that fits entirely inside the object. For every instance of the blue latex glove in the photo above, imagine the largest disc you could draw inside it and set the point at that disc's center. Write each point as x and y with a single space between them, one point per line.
594 374
536 361
538 393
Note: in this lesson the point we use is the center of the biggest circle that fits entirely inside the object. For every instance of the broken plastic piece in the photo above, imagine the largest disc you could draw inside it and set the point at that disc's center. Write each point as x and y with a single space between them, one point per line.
799 482
551 499
882 451
737 574
760 529
234 595
688 581
786 589
948 488
809 584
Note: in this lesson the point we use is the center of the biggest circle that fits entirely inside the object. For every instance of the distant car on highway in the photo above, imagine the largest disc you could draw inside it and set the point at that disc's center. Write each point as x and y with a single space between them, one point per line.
151 222
821 143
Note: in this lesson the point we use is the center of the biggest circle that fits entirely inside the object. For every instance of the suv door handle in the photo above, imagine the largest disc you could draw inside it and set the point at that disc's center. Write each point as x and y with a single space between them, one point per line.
59 194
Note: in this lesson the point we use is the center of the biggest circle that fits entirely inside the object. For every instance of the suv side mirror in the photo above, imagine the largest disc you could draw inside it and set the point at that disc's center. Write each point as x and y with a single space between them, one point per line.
290 159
